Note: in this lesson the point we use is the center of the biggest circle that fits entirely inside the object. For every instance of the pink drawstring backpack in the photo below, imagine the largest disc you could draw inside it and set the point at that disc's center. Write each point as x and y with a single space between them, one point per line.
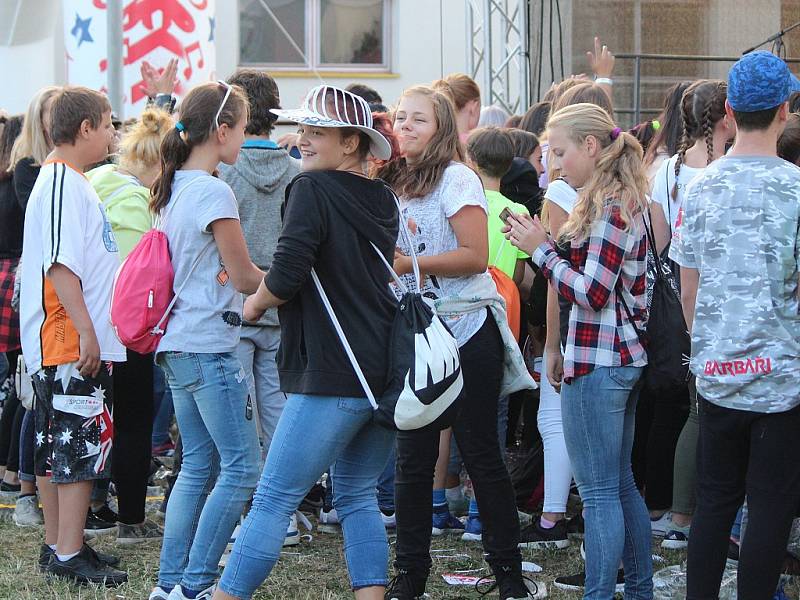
143 296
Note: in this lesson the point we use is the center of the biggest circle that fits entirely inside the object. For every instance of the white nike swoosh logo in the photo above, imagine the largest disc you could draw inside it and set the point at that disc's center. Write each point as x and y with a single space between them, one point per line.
410 413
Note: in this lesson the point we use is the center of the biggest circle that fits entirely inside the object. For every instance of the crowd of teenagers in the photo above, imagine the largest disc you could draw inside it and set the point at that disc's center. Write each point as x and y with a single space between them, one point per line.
553 245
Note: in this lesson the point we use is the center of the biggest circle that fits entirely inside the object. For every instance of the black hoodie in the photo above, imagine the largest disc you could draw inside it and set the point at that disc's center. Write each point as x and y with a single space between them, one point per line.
330 229
521 185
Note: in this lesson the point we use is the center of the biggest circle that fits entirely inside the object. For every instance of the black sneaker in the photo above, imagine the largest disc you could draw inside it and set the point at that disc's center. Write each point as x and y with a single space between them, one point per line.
538 538
577 582
106 514
510 583
97 525
46 553
313 500
576 526
13 488
404 587
135 534
86 568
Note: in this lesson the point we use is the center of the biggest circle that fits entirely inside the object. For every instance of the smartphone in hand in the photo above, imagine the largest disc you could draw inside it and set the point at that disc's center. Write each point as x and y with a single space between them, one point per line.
505 215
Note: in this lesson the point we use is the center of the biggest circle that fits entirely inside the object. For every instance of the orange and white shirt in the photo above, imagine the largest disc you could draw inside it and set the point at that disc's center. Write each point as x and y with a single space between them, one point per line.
65 223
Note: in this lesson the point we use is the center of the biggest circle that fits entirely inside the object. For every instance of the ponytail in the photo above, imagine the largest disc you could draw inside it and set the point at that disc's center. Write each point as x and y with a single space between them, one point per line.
460 88
196 124
174 153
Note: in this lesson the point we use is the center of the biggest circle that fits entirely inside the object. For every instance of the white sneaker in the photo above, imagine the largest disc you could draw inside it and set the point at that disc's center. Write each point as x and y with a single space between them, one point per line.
292 533
158 593
27 512
206 594
389 521
329 521
662 525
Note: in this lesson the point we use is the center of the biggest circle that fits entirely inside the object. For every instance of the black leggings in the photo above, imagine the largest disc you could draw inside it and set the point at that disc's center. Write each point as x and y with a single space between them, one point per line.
659 421
133 429
742 452
475 430
10 421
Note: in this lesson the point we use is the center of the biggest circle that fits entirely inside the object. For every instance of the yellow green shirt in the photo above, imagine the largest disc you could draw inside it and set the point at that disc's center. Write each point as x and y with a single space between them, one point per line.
502 254
125 201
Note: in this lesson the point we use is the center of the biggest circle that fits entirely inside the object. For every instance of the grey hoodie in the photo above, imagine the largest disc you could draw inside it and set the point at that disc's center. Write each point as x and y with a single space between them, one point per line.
259 178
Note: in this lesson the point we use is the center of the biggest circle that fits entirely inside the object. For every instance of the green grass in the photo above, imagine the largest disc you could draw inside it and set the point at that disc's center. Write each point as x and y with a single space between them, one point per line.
313 570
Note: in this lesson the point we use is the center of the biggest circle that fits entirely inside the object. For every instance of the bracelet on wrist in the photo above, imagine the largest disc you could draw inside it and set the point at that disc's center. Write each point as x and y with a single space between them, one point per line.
604 80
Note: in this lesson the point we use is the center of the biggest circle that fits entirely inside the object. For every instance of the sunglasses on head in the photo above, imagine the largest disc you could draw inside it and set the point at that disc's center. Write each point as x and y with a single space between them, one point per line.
228 89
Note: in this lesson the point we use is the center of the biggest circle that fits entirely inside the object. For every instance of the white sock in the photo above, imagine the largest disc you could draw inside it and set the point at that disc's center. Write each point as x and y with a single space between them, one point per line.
454 494
66 557
52 547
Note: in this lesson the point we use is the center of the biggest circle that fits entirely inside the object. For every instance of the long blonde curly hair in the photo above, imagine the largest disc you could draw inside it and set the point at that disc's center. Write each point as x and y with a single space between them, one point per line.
618 177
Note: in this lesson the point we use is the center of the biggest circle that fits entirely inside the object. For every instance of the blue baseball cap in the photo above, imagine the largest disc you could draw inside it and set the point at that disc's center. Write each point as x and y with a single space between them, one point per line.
758 81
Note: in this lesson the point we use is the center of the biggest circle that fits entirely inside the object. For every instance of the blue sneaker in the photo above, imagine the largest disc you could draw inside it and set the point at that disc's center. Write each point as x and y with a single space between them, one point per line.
444 522
473 531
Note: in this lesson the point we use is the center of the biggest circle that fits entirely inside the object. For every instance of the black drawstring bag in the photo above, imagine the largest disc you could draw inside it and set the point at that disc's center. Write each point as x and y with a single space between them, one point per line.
424 378
666 339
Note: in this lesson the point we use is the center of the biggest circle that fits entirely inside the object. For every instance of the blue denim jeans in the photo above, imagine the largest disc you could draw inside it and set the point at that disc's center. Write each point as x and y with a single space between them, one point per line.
220 444
599 413
342 430
257 349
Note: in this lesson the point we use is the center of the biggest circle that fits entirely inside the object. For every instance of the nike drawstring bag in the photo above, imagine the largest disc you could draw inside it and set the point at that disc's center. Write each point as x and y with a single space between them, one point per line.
424 378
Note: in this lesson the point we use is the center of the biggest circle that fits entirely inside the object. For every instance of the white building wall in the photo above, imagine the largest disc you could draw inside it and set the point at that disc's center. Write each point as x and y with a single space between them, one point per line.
428 39
423 47
30 66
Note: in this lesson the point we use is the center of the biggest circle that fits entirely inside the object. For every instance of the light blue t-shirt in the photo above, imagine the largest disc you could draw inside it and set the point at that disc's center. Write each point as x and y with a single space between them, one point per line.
208 312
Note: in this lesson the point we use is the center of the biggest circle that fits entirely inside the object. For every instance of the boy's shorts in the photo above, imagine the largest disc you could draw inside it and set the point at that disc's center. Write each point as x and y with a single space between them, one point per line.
74 428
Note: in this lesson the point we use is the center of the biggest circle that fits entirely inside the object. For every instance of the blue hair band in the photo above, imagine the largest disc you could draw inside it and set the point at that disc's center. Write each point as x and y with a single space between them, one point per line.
179 126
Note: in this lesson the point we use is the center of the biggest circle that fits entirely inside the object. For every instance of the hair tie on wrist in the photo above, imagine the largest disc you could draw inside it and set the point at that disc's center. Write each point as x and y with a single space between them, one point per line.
179 126
656 124
615 133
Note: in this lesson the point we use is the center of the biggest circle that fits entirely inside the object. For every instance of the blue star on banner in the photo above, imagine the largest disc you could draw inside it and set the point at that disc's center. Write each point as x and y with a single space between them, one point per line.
81 28
212 24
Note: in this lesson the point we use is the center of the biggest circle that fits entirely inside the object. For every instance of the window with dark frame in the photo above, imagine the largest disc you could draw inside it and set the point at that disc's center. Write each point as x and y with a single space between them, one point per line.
325 34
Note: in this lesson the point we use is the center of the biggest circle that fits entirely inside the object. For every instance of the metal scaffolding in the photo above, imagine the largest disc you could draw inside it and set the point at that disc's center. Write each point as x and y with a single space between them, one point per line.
498 51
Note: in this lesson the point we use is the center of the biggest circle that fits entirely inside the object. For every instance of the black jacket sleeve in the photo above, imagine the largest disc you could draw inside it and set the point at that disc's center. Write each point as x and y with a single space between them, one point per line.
25 174
304 230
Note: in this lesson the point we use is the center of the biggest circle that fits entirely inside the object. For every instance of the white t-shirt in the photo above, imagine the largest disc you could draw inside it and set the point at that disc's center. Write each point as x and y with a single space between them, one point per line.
428 221
65 223
207 315
654 166
562 195
662 189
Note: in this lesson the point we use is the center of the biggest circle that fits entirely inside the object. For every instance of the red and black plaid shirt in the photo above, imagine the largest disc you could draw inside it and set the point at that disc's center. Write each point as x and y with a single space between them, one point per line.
611 263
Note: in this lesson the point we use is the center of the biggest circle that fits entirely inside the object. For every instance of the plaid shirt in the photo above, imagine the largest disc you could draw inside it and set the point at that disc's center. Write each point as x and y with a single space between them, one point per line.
611 260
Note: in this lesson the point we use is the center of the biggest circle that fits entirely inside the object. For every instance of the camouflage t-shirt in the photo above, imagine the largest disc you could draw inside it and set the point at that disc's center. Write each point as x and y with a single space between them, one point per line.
740 231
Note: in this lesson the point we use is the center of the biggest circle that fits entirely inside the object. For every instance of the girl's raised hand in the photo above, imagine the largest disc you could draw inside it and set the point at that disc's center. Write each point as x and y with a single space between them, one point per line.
601 60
